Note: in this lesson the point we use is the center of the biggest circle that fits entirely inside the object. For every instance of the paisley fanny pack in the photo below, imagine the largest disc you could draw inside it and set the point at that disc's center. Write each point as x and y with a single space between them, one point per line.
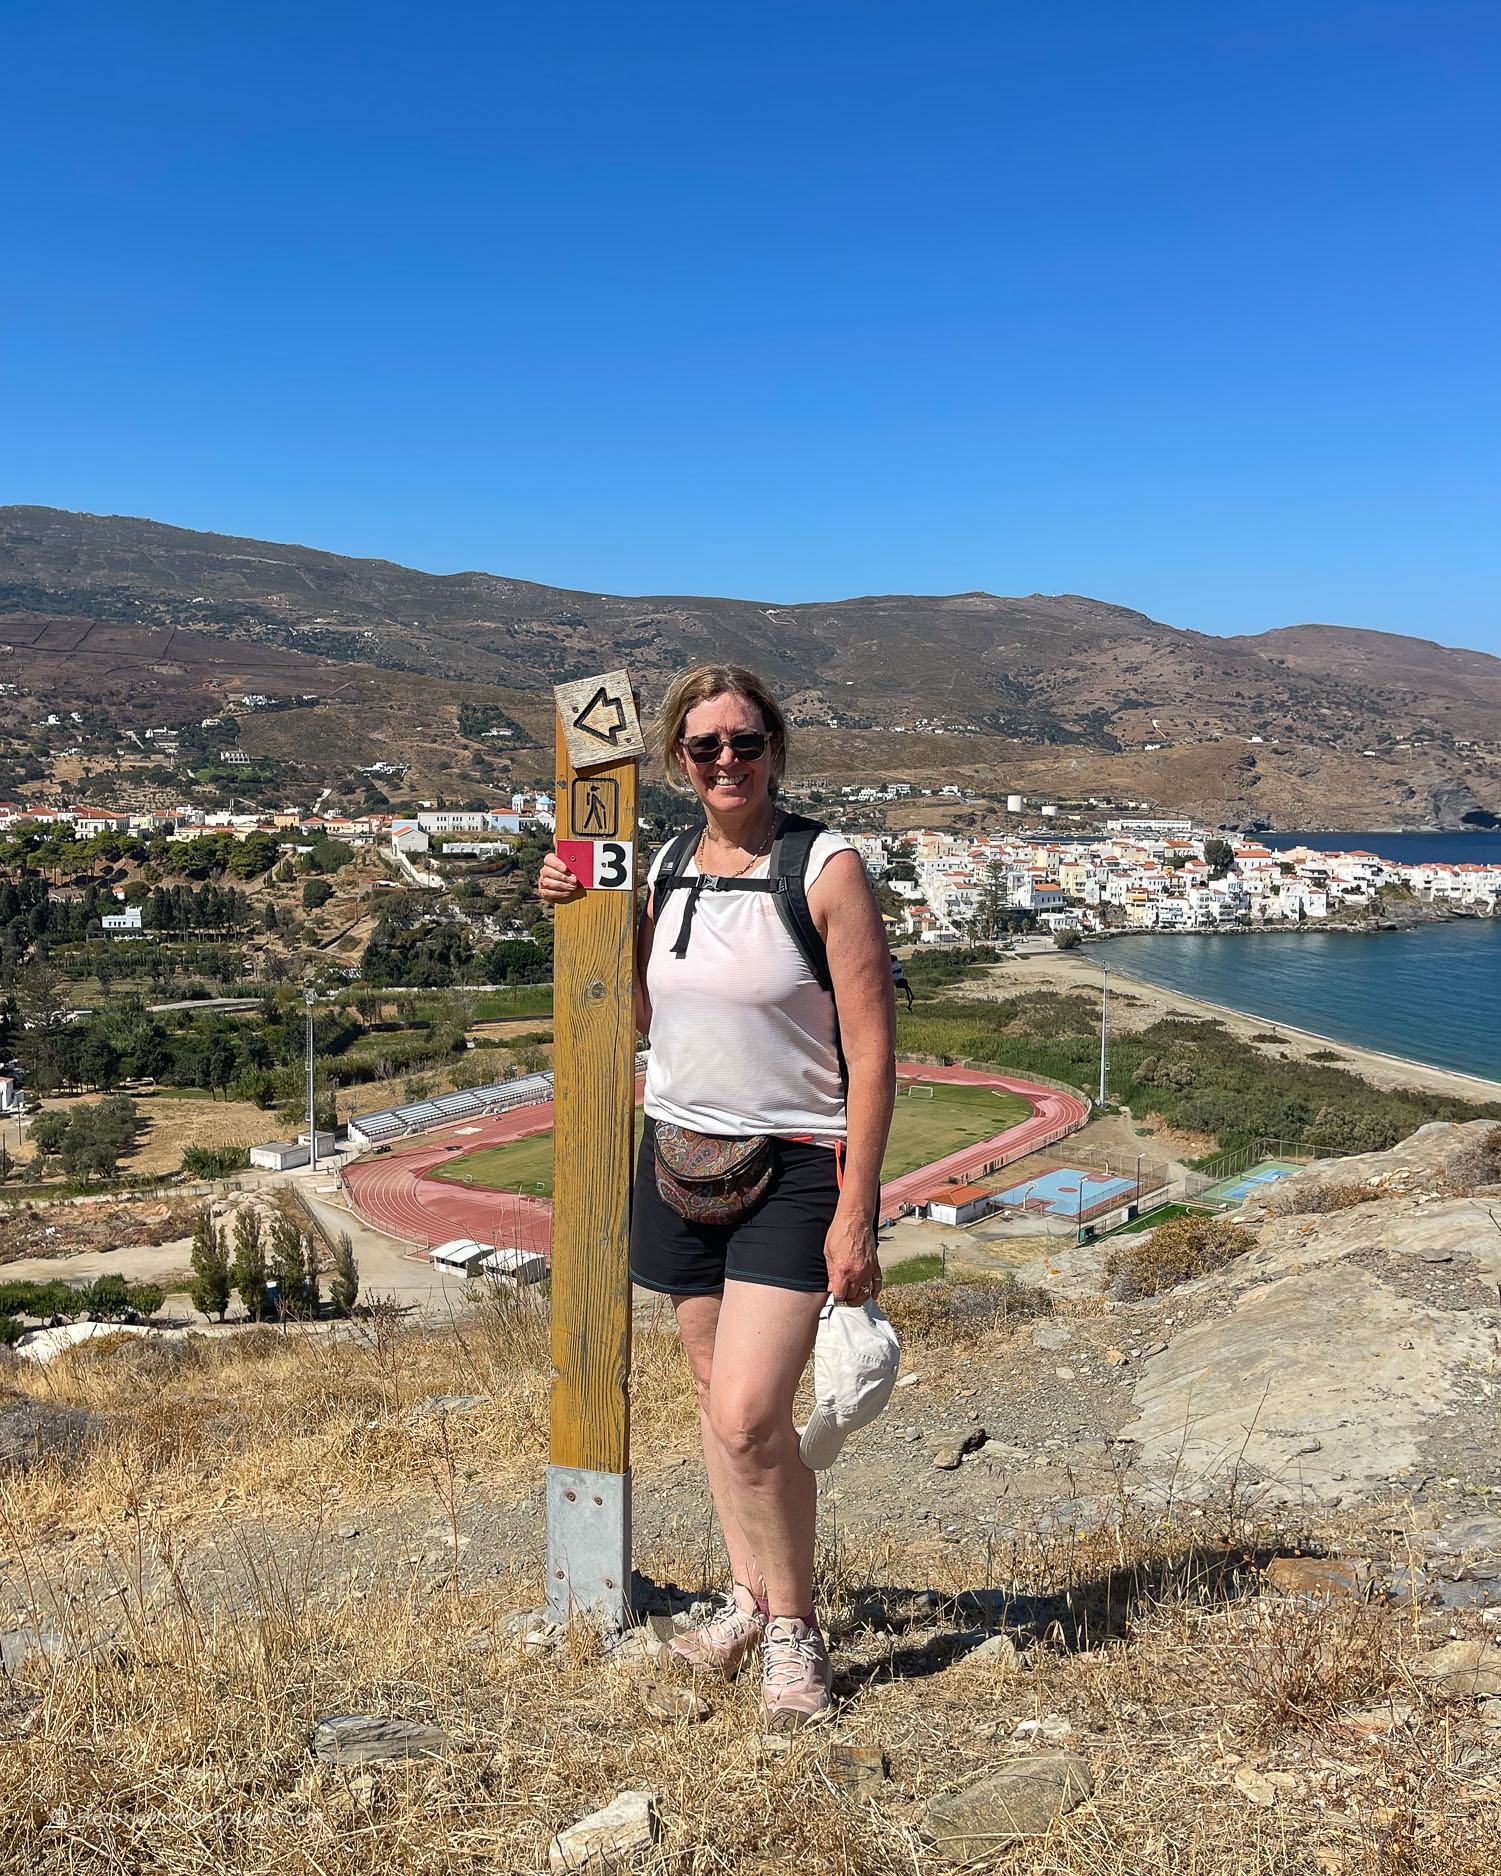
710 1179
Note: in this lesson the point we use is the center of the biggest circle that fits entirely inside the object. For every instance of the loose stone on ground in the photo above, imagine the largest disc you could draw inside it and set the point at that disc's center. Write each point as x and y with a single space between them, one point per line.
359 1738
1462 1670
628 1823
1020 1800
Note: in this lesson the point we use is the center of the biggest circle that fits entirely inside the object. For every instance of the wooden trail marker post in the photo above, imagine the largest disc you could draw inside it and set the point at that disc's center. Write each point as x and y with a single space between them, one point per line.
594 1082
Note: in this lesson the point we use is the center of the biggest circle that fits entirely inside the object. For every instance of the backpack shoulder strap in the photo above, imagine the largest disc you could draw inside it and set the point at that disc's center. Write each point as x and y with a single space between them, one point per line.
787 871
674 859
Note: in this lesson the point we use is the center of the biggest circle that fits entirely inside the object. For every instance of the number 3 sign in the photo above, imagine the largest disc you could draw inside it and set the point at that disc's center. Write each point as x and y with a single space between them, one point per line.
607 864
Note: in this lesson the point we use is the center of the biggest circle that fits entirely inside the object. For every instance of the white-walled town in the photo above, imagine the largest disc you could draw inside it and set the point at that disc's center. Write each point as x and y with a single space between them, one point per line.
1136 873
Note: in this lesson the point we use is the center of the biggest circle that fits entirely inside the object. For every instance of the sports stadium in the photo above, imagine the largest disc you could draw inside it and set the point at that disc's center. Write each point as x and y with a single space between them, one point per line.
477 1165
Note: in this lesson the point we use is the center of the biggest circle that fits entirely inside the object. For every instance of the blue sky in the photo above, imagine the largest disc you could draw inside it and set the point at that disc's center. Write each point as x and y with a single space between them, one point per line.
1191 308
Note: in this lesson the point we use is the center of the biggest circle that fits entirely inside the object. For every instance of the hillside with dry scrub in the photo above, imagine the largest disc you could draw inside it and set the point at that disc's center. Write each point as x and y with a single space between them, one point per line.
213 1542
1043 693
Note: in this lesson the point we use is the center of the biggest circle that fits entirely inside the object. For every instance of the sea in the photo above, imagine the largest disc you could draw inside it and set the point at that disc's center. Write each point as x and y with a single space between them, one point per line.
1432 994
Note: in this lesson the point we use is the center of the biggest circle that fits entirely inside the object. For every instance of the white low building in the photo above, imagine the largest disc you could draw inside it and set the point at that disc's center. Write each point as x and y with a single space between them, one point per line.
279 1155
283 1155
467 1257
408 837
461 1256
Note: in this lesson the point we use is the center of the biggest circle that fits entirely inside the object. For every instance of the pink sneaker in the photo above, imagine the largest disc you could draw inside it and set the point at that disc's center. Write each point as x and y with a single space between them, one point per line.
798 1675
723 1642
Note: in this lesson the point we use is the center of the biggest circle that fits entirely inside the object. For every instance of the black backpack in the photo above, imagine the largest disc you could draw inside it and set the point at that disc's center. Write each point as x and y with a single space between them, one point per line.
784 879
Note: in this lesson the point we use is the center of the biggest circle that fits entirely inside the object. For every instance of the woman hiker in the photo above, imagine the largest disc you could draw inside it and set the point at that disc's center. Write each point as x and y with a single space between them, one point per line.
764 983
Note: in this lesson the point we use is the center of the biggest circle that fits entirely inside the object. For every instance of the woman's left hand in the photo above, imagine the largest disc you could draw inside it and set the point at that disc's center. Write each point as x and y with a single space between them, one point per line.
850 1253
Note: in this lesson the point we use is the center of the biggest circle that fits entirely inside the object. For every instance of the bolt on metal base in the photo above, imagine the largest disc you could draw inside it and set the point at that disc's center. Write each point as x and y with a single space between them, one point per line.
588 1545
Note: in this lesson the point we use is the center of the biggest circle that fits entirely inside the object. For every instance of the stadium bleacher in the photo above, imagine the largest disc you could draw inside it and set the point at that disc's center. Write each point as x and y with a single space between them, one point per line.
388 1124
497 1097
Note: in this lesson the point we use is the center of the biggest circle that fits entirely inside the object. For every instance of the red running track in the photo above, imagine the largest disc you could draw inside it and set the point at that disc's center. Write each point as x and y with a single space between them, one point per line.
1054 1114
393 1193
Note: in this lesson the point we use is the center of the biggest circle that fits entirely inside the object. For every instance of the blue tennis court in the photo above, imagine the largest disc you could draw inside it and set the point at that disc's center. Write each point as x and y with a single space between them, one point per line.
1067 1192
1233 1191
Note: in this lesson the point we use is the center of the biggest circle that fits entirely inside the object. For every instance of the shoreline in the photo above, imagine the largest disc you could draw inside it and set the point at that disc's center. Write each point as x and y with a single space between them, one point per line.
1068 971
1319 928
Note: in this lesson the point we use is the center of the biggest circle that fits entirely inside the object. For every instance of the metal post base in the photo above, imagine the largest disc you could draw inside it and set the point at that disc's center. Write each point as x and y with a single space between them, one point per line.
588 1545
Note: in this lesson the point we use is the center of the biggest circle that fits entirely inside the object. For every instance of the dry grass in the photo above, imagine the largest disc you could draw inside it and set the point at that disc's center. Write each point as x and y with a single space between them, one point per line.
960 1311
222 1425
1308 1200
182 1745
169 1123
179 1744
1175 1252
1477 1163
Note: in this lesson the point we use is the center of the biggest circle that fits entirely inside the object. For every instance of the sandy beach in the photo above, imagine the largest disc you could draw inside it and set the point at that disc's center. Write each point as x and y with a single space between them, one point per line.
1136 1004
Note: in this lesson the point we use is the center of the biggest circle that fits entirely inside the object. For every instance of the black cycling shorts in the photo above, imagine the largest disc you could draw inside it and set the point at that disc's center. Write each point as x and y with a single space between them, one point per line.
780 1242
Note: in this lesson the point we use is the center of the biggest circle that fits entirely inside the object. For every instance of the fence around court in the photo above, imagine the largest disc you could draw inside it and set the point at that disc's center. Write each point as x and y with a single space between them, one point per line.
1203 1178
1147 1183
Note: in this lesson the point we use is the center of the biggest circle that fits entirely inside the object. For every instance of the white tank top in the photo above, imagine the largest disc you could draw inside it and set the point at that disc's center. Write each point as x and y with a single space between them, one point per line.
742 1037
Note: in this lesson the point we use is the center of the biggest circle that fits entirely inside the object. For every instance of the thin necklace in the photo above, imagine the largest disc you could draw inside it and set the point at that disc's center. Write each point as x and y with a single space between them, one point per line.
759 854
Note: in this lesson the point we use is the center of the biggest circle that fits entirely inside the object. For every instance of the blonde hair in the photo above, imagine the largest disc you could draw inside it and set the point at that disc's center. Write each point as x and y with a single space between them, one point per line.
703 684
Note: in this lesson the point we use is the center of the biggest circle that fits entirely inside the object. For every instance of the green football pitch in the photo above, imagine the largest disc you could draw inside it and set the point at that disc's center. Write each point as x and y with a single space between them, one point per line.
957 1115
922 1129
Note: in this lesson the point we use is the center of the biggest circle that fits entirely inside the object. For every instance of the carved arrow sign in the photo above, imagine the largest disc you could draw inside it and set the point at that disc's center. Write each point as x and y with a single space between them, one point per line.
599 720
602 716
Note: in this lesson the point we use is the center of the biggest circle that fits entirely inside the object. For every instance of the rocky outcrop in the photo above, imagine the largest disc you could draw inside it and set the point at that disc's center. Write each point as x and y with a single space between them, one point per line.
1349 1348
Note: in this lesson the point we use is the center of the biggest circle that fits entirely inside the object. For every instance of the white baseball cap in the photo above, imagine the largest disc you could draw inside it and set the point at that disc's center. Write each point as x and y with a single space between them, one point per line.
855 1358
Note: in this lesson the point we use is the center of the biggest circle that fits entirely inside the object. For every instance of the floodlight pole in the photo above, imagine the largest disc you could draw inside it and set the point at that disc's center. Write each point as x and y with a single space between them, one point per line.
310 997
1104 1025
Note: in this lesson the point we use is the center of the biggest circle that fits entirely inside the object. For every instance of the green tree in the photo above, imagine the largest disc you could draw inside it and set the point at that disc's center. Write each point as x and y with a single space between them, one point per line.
41 995
1066 940
988 920
107 1298
48 1130
344 1286
315 892
328 856
287 1266
249 858
210 1267
83 1152
146 1299
99 1136
249 1272
1219 857
312 1294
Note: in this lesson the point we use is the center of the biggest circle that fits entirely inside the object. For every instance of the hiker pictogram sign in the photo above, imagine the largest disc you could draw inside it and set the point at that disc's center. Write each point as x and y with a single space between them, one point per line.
596 807
599 721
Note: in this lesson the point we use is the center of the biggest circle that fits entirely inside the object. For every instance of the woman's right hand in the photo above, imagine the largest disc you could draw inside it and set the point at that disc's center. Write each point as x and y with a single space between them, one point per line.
556 884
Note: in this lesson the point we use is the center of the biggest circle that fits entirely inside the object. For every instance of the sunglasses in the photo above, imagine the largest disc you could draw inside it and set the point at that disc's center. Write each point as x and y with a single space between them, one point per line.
745 746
